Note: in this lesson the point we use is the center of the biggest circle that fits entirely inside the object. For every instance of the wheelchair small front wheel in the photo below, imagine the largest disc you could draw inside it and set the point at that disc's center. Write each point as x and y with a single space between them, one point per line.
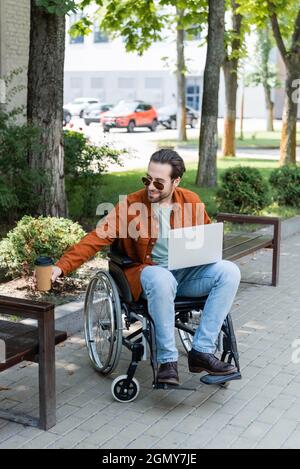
123 392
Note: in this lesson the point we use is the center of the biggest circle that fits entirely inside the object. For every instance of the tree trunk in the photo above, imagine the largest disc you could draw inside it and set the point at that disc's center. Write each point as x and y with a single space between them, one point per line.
181 80
289 118
208 143
230 69
231 86
45 104
291 59
242 114
265 51
269 108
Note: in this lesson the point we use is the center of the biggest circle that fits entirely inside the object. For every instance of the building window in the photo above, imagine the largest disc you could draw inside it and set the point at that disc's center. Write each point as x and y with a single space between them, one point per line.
193 93
126 82
99 36
153 82
73 19
76 82
97 83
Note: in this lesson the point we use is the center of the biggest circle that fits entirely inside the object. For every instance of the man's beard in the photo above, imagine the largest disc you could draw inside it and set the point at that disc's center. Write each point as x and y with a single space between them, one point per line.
159 197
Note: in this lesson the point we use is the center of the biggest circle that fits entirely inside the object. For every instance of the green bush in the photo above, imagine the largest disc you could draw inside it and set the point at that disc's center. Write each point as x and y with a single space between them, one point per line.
243 190
33 237
285 182
84 165
17 179
82 158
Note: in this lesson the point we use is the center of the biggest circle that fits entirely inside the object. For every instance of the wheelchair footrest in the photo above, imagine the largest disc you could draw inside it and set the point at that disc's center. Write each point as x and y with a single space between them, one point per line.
166 386
210 379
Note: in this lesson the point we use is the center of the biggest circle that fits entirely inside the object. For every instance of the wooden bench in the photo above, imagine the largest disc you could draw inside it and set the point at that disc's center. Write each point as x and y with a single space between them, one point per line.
237 245
36 344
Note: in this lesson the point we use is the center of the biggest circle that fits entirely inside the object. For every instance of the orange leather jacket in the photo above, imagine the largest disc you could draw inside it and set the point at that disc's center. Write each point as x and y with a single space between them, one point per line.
137 234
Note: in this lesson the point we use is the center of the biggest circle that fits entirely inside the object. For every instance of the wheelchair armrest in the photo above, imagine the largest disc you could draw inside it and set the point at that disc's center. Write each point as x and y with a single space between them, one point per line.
120 259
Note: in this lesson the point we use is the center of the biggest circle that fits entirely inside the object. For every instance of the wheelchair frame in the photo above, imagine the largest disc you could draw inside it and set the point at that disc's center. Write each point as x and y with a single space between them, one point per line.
125 388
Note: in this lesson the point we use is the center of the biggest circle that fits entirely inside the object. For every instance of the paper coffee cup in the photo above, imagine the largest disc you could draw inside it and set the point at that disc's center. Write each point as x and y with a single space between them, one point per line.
43 273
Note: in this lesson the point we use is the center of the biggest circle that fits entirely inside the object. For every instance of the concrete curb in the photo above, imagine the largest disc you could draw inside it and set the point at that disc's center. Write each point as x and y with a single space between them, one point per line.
289 227
69 317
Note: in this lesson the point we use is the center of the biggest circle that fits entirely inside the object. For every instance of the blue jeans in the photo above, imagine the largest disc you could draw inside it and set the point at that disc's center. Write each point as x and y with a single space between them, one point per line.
220 281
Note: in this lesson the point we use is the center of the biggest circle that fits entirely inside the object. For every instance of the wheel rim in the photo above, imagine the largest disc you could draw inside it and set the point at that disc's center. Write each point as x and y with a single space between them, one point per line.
103 331
125 393
193 322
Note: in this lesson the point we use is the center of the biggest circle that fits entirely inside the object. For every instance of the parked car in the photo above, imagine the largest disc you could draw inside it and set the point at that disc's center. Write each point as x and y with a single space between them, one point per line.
67 117
78 106
130 114
167 116
94 112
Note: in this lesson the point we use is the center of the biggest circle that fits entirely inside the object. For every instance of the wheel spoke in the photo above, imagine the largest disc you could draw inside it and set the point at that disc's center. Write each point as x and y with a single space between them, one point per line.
102 322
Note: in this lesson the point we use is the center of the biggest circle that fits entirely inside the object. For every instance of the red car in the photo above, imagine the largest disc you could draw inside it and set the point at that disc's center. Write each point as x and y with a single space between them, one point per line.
129 115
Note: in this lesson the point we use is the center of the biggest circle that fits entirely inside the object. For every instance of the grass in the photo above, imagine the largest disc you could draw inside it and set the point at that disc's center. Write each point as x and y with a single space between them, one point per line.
269 140
120 183
124 183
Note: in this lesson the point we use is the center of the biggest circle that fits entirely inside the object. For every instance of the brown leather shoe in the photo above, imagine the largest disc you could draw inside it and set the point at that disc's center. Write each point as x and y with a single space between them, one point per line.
199 362
168 373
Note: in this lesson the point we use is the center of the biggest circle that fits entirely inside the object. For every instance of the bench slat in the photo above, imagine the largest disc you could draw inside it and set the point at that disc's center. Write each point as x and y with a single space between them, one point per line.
247 247
236 239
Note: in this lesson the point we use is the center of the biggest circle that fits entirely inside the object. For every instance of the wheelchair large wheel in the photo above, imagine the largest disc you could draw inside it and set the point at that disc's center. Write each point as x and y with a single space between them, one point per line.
103 323
192 321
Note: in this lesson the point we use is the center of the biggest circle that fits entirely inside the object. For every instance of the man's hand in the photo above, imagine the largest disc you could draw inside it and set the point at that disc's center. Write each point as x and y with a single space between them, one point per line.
56 272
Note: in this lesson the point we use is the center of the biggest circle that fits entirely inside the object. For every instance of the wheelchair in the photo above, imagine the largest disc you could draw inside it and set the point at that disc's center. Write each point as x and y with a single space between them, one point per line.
112 319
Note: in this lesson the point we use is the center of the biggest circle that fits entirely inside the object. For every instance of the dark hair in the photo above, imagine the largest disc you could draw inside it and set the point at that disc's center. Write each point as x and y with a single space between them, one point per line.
171 157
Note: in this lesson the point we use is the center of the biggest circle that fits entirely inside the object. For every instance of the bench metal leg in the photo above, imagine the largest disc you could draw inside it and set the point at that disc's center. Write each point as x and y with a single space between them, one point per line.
45 356
276 253
275 256
47 384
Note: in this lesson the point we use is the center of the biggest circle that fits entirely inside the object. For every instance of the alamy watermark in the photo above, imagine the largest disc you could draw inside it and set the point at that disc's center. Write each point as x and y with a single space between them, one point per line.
296 93
296 352
138 220
2 351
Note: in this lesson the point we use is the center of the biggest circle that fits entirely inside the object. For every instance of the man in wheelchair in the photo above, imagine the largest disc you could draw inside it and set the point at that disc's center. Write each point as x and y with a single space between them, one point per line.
162 206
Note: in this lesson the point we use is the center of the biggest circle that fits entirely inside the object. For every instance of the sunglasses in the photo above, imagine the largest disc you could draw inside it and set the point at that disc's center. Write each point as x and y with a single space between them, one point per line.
158 185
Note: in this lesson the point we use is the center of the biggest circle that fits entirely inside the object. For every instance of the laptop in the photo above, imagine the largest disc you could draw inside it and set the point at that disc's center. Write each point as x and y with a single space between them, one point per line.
195 245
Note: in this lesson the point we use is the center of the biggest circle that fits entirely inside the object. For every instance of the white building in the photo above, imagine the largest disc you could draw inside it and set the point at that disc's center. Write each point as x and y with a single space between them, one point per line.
100 68
14 44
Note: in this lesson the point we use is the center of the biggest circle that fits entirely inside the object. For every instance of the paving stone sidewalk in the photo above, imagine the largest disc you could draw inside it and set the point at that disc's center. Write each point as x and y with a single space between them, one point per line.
261 411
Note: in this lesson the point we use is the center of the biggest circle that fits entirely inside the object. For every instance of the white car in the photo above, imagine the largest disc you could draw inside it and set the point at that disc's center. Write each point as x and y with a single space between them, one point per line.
78 106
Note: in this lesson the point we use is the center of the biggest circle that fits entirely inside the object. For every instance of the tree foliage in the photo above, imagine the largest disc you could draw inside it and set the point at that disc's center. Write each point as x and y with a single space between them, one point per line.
264 72
57 7
143 22
259 12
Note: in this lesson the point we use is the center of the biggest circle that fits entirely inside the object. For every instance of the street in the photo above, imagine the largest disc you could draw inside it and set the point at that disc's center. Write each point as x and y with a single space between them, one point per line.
142 142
